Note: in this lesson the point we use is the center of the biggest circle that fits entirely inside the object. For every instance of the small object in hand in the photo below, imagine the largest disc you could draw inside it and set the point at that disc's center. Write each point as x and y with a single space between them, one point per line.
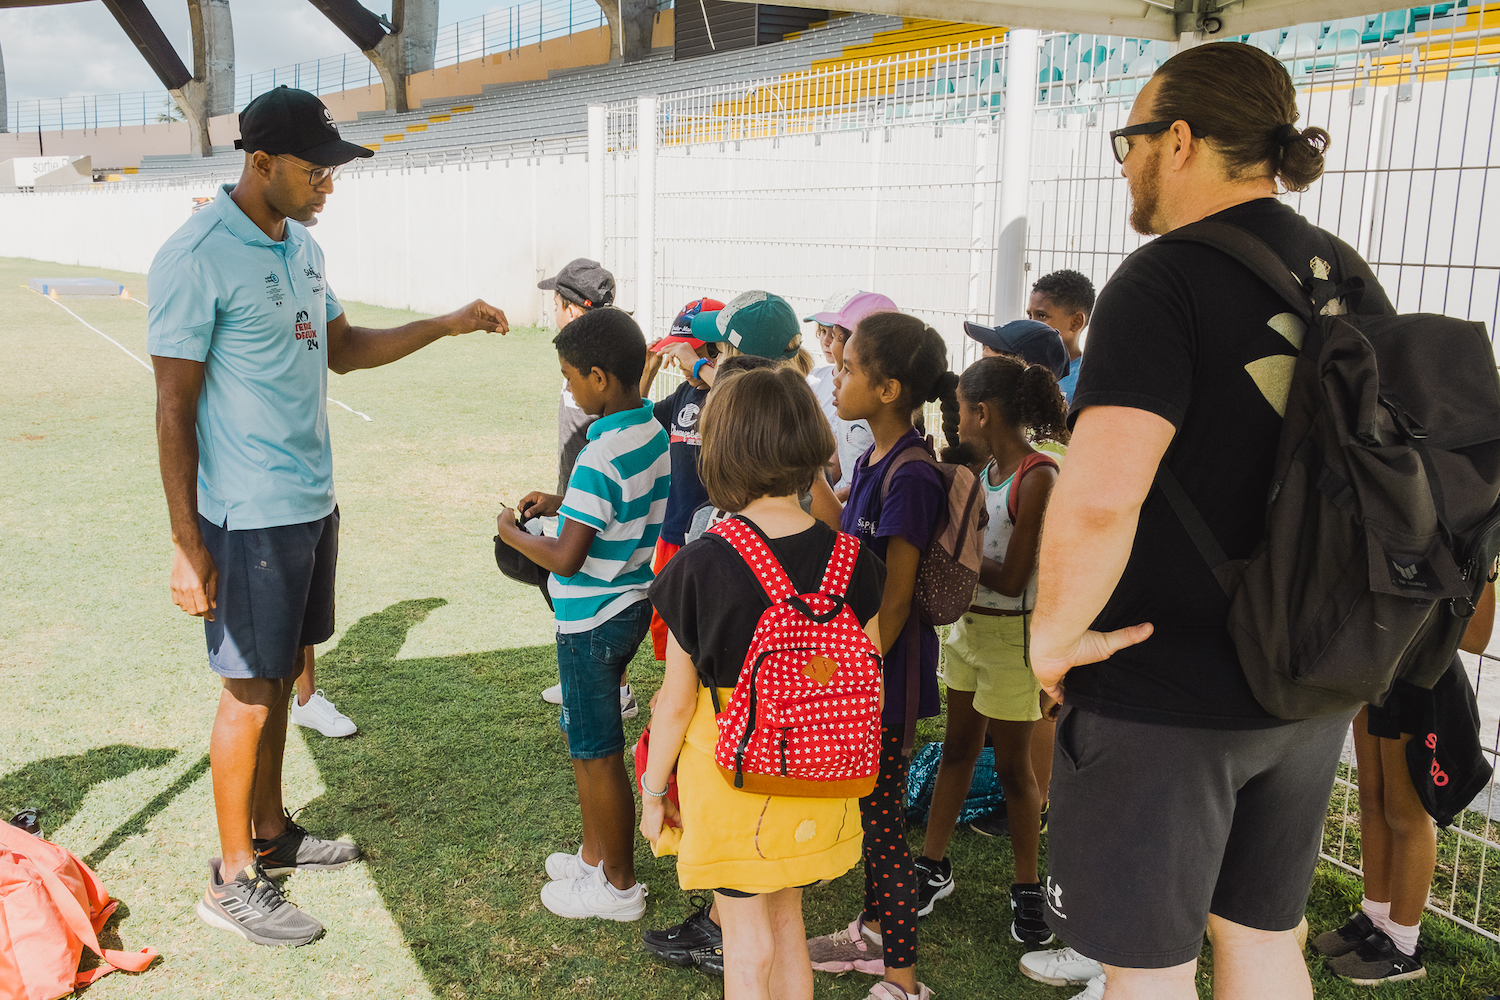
27 820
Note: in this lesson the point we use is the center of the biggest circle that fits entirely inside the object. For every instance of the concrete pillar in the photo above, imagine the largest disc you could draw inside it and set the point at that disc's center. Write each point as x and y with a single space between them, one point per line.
645 217
631 24
405 44
596 182
1015 172
210 92
4 106
417 22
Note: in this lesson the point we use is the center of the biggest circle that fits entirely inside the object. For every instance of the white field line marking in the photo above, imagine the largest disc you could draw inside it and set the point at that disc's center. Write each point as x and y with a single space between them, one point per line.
122 347
92 327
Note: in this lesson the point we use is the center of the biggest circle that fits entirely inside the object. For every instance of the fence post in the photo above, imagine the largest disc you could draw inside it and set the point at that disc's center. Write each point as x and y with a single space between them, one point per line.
645 216
596 181
1015 172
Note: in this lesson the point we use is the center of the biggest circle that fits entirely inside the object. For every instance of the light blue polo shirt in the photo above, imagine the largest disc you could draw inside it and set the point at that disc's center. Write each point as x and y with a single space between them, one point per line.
256 312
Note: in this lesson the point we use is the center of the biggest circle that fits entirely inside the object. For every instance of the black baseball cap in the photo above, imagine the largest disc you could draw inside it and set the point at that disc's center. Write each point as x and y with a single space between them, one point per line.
296 123
582 282
1033 342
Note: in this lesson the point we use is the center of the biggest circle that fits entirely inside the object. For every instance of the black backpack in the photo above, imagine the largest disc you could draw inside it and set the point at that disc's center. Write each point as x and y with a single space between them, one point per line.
1381 519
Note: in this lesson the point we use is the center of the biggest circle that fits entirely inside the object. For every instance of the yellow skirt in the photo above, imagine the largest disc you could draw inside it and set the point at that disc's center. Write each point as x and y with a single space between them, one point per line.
732 839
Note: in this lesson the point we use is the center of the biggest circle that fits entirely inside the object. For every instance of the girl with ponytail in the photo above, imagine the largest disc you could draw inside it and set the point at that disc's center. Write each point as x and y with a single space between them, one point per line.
1004 404
893 363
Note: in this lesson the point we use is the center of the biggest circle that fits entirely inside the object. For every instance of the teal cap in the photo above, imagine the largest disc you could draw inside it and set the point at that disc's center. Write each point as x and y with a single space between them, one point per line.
755 322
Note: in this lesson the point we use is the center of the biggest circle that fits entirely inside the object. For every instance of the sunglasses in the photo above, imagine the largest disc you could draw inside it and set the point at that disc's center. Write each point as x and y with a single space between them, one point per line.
316 175
1121 144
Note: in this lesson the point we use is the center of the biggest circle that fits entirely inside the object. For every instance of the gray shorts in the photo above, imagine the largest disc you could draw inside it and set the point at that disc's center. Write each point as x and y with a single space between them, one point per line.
275 595
1154 827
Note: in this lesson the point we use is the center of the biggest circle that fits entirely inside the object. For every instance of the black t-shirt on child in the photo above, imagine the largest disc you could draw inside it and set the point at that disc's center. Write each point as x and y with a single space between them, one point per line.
711 600
1183 331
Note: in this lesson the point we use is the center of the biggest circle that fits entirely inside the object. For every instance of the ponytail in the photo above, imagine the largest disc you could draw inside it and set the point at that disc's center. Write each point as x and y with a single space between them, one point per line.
902 348
1026 396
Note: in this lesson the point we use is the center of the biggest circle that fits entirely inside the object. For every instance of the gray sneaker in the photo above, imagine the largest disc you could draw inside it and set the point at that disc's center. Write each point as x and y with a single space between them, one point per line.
297 850
851 949
251 906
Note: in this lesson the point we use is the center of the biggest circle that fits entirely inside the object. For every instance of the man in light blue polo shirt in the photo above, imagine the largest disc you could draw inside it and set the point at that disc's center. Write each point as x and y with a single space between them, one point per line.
243 330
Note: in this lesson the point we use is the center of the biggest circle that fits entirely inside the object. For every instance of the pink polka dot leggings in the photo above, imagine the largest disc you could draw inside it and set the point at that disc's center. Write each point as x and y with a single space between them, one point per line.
890 878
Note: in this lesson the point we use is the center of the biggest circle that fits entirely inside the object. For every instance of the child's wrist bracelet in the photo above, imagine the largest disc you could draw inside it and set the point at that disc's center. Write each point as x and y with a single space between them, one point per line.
698 367
655 795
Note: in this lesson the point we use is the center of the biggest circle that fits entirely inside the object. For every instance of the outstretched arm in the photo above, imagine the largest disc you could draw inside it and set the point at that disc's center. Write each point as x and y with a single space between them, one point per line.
1086 541
352 347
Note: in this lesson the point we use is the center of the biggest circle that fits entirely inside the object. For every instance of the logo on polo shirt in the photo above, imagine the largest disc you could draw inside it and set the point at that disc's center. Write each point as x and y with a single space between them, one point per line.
273 288
305 330
312 273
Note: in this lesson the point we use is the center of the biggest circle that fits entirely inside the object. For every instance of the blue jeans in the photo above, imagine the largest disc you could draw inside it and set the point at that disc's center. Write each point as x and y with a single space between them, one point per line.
590 665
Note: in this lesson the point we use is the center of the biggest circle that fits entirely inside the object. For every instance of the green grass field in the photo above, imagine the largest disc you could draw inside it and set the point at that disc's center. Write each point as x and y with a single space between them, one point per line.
458 784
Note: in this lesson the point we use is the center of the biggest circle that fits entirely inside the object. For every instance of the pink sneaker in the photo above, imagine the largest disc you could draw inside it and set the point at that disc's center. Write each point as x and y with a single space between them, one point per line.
853 949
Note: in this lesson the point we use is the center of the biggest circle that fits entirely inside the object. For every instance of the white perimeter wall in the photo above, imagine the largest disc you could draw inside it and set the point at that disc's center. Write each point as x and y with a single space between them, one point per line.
429 240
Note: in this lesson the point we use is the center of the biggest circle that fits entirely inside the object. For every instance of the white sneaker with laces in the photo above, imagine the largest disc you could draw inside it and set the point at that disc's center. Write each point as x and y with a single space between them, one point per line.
1094 990
563 866
553 694
591 895
1060 967
320 714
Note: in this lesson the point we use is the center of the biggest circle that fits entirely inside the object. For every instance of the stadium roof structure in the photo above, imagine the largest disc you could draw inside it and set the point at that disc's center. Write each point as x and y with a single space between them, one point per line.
1166 20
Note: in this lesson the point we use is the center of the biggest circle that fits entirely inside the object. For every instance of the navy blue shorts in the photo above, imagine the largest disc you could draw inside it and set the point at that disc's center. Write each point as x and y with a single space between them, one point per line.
275 595
590 665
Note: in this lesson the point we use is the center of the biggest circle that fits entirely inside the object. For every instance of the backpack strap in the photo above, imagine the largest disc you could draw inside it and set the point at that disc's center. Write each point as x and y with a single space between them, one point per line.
757 555
1192 520
81 927
1251 251
912 453
1031 461
840 569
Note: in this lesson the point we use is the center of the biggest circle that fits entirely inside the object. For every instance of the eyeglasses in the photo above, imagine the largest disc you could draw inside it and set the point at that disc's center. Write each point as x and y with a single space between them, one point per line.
316 175
1122 145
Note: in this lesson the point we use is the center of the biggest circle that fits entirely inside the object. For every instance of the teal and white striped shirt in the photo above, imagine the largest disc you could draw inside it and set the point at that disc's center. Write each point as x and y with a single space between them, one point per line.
619 487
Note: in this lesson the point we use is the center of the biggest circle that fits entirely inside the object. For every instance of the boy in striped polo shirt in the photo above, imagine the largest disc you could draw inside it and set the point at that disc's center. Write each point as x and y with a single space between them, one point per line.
600 562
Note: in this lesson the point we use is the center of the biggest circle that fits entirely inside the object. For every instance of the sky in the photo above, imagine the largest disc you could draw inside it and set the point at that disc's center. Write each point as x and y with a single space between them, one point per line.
79 48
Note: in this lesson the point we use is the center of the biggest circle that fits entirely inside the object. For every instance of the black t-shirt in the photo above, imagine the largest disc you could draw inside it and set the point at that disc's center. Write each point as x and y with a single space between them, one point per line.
679 413
711 600
1184 331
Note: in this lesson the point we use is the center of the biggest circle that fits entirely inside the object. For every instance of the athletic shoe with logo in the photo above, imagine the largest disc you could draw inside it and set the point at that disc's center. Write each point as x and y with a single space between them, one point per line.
890 991
1060 967
934 882
1094 990
1377 961
1030 924
855 948
562 866
251 906
591 895
320 714
296 850
1343 940
697 941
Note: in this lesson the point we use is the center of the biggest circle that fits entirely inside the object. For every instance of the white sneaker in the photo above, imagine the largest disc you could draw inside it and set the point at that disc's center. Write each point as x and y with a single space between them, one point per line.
553 694
628 708
591 895
563 866
1094 990
320 714
1060 967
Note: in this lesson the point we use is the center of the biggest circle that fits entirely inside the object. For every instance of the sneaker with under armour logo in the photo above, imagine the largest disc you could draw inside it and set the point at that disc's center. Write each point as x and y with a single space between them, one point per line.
296 850
251 906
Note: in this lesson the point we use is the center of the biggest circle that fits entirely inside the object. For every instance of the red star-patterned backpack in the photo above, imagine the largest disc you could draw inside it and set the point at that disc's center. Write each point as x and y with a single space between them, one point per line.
804 718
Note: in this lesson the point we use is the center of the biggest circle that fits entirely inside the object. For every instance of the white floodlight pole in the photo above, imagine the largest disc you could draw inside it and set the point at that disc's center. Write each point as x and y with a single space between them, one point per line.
596 182
1015 172
645 217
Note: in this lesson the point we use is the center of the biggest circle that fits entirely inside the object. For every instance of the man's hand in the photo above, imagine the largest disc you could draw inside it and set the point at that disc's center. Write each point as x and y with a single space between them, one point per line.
477 315
539 504
1052 665
195 581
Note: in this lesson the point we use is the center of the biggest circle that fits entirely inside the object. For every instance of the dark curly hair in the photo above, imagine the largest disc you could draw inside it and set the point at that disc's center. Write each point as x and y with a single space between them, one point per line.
1026 396
902 348
1070 289
607 339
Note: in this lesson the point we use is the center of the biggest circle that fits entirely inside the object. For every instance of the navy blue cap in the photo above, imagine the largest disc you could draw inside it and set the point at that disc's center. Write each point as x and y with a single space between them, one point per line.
1033 342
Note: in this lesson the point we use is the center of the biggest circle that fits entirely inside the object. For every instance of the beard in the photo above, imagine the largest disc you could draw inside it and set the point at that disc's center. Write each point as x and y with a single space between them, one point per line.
1145 195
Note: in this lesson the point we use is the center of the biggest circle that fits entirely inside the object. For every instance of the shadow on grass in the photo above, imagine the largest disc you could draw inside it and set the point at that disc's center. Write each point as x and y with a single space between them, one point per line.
56 786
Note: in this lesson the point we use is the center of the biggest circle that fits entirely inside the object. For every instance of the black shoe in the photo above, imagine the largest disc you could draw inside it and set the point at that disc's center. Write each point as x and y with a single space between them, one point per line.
1343 940
297 850
251 906
995 824
1030 924
697 941
934 881
1376 961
